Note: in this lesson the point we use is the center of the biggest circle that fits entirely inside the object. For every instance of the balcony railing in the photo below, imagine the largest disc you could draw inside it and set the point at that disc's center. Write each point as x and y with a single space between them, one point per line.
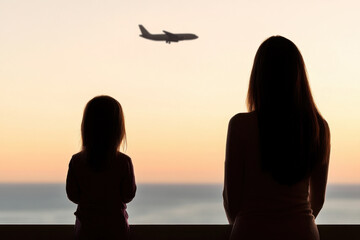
162 232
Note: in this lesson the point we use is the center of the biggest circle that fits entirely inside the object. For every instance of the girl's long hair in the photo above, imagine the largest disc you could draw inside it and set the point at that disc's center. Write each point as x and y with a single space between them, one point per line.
293 135
102 130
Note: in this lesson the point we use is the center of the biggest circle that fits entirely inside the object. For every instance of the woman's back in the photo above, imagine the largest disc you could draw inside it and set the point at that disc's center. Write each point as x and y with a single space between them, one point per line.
277 155
260 186
261 207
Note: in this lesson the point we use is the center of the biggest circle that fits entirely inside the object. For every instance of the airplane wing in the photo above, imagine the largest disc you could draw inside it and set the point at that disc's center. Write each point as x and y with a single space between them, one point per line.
172 36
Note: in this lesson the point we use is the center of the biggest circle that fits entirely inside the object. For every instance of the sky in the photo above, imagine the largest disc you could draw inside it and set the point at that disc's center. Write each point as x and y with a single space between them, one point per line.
177 98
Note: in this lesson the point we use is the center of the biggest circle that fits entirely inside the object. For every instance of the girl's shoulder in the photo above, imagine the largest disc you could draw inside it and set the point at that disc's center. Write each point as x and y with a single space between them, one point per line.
122 158
77 159
124 163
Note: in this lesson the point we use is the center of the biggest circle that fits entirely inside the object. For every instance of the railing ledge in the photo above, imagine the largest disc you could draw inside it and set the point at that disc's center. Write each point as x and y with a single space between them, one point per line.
161 232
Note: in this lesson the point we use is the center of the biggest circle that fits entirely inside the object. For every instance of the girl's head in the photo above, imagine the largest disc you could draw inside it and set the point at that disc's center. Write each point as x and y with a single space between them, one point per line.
103 126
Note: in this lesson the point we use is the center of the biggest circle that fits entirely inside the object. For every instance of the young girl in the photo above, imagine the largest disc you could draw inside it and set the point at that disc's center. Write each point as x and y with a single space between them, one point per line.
100 179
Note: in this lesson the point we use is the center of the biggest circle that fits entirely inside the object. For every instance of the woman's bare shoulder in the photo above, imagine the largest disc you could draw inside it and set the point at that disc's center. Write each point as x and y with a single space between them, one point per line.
77 157
243 119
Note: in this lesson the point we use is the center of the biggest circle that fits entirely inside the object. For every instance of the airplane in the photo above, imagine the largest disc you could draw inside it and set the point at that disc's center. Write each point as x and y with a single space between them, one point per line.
167 37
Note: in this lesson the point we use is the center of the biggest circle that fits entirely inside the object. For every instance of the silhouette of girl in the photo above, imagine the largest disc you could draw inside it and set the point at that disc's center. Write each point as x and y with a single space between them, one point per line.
277 154
101 179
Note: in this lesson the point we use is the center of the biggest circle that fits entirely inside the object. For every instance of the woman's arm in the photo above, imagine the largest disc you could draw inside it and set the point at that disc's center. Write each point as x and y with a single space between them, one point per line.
72 189
317 188
318 178
233 171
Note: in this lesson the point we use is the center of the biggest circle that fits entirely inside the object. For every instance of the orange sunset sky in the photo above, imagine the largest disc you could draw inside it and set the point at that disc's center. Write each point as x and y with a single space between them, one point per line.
177 98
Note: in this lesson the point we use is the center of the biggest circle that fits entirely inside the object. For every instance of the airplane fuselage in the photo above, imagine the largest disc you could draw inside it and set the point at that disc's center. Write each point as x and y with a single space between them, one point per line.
164 37
167 37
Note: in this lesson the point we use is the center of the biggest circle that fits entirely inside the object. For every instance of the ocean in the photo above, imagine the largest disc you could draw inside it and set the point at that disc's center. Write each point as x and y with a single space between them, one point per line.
156 204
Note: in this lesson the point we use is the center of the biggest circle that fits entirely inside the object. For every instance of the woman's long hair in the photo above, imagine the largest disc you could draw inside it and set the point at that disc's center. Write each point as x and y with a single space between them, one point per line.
293 135
102 130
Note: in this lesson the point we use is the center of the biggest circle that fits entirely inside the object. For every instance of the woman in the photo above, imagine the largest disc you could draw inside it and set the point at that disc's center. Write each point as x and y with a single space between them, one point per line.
277 155
101 179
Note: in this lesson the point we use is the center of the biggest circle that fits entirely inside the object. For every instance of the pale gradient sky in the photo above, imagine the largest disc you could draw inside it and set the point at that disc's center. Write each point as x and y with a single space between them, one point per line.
177 98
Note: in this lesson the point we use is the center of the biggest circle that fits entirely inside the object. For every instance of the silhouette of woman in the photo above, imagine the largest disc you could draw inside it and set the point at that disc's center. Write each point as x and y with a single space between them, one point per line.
101 179
277 154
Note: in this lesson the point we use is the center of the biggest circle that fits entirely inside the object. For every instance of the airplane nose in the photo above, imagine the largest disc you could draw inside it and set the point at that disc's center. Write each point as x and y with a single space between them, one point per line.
195 36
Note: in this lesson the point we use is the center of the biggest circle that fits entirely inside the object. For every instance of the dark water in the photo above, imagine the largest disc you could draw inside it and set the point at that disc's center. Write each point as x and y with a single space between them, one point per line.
156 203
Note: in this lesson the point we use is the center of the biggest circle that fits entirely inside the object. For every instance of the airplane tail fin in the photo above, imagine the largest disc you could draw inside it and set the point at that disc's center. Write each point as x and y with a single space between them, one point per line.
144 32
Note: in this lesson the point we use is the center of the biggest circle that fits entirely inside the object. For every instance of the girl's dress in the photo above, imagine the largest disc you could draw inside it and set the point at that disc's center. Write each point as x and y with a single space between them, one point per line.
101 196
